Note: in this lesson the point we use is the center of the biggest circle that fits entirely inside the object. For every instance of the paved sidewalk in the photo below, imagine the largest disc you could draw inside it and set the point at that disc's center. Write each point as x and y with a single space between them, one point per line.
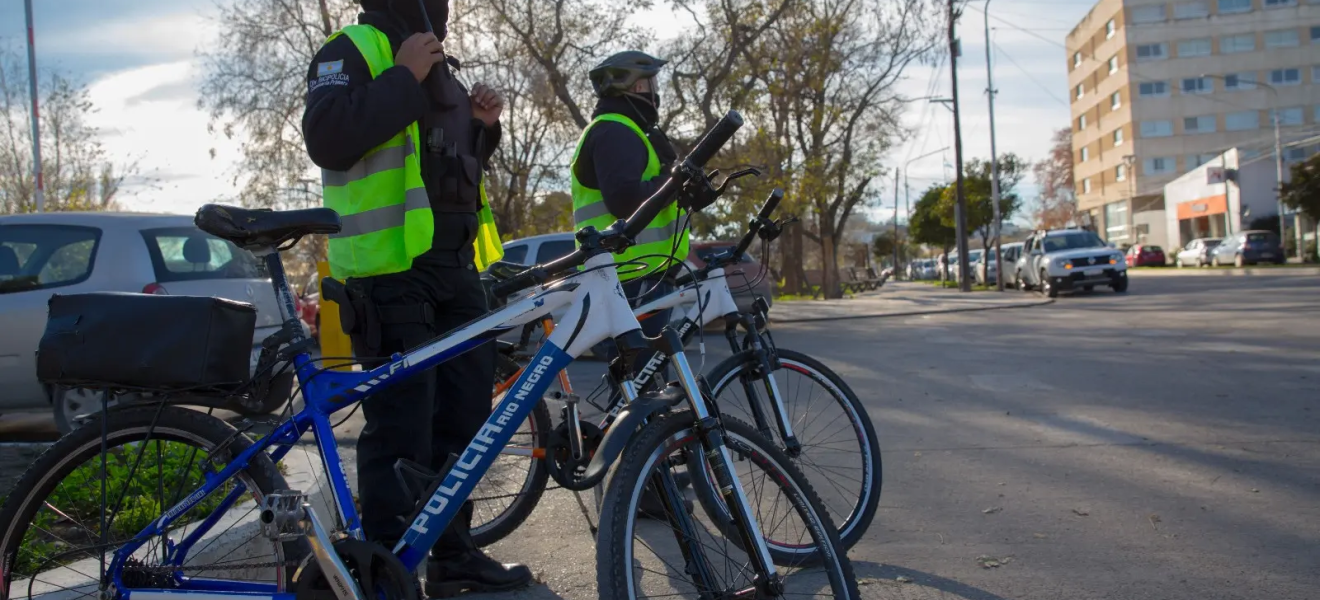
900 299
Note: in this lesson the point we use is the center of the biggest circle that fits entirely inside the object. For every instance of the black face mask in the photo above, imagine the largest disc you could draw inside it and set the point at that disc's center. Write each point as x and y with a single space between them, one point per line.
411 13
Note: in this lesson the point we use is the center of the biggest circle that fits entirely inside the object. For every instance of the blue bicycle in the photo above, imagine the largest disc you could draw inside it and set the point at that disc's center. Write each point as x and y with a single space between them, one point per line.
160 502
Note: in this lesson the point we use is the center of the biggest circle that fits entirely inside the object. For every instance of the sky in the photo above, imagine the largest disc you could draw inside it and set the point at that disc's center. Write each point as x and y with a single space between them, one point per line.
139 59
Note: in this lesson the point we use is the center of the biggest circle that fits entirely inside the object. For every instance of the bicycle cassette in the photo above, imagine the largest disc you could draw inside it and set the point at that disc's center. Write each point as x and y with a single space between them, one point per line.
564 469
378 573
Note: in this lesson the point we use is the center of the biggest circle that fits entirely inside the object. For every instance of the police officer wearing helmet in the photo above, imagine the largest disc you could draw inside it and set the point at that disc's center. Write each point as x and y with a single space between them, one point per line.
402 145
622 158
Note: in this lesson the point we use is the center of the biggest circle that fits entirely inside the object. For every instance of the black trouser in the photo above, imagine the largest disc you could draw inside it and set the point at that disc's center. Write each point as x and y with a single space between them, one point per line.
432 414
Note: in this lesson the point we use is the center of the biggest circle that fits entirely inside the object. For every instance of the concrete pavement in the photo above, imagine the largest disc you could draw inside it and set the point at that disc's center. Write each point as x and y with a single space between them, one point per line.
899 298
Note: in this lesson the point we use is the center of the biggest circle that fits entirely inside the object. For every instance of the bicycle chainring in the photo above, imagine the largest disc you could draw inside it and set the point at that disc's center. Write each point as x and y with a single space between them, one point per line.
377 571
564 469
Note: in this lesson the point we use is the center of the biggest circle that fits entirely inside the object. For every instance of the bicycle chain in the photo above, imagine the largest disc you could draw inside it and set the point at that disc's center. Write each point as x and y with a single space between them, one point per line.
171 569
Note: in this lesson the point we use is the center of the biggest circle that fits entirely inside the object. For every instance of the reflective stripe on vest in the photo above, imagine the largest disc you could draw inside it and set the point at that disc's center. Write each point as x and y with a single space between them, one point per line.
661 237
384 209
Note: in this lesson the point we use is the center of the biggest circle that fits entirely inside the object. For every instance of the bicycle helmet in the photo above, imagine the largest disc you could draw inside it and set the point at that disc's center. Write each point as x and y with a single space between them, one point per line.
616 75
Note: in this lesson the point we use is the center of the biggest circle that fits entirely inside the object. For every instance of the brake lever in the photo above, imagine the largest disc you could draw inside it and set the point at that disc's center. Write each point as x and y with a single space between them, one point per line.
737 175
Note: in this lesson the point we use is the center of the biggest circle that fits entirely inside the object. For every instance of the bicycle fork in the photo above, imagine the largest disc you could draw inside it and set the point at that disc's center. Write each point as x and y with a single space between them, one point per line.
716 454
766 372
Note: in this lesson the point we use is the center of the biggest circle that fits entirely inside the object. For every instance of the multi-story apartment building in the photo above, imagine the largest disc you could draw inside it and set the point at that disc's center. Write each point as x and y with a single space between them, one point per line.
1160 87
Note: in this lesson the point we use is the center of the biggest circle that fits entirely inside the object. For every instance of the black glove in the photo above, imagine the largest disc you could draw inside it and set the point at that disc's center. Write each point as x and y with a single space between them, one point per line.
698 193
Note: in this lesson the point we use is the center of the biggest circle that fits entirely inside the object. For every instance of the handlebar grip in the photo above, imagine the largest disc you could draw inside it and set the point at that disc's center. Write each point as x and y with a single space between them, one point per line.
715 139
766 209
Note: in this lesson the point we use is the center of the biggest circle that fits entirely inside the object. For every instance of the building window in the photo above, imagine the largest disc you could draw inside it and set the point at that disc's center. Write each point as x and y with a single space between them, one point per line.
1077 59
1242 121
1081 122
1148 14
1158 165
1113 62
1248 154
1080 91
1201 124
1086 154
1315 34
1115 101
1196 160
1153 89
1289 116
1196 47
1278 3
1286 76
1234 6
1118 137
1197 85
1283 38
1190 10
1294 154
1116 221
1152 52
1086 185
1240 81
1154 129
1232 44
1109 29
1120 173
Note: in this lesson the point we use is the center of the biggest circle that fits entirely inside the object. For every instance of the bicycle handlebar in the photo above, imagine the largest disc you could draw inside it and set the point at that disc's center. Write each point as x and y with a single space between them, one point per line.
621 234
755 226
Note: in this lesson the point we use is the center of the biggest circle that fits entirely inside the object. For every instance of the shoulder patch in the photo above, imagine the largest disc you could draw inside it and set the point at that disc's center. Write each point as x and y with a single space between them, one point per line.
329 68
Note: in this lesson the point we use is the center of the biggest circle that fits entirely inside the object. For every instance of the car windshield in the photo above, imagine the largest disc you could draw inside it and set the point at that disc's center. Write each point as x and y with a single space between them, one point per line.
1072 241
974 256
1212 243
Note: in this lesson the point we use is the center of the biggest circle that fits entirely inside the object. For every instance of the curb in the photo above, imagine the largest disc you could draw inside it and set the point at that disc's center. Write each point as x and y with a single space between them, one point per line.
1229 272
915 313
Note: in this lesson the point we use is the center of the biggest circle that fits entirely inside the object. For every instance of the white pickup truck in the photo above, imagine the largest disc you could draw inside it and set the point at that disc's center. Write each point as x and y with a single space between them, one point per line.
1062 260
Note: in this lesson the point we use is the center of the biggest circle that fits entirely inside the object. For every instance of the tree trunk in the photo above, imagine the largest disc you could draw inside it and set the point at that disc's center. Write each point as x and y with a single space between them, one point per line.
790 261
829 258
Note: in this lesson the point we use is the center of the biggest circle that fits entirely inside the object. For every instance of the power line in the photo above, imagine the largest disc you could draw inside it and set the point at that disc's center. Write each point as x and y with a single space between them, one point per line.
1033 79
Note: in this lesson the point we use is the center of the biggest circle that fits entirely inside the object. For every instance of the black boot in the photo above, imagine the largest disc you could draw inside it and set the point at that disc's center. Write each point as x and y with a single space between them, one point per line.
472 571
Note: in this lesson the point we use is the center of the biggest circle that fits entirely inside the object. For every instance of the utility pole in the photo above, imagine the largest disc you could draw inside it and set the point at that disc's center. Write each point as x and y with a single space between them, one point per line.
40 195
994 161
960 209
896 225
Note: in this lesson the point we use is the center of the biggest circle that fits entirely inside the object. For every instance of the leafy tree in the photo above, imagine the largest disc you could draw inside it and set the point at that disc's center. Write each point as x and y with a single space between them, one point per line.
980 204
1054 175
79 174
1302 191
929 224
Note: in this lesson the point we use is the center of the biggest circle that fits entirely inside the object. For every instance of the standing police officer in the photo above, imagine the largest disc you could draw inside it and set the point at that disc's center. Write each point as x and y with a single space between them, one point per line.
402 145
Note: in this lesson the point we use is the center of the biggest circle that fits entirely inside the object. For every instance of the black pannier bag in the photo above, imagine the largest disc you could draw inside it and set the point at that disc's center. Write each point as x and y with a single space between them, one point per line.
146 341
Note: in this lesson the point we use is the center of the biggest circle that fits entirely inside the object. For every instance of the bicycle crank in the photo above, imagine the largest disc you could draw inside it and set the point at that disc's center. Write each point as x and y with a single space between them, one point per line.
566 469
285 515
375 570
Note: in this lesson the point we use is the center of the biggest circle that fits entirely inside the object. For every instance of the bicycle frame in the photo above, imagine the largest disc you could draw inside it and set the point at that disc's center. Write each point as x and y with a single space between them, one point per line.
597 310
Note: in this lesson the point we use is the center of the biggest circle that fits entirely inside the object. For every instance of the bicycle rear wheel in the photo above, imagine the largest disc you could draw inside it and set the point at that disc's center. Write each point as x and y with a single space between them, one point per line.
513 486
655 558
53 536
840 451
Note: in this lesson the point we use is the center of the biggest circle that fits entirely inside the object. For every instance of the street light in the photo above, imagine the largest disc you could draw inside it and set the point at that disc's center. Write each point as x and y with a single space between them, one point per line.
1278 157
905 166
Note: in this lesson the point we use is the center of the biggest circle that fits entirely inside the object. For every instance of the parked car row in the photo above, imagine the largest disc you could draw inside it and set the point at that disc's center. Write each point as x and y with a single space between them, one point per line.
1240 249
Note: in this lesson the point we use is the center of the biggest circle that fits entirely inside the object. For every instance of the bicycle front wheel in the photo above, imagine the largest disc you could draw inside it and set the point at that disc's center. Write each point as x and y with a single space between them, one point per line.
64 518
671 555
840 451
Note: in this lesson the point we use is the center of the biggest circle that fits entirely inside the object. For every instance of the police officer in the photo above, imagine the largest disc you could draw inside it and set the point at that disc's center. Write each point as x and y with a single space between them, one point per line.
402 146
622 158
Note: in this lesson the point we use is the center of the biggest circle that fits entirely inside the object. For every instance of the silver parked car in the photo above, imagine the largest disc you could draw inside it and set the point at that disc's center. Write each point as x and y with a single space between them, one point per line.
987 269
1197 252
73 253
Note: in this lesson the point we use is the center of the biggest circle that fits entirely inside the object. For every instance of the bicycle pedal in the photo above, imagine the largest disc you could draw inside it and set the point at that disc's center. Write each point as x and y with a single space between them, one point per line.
283 515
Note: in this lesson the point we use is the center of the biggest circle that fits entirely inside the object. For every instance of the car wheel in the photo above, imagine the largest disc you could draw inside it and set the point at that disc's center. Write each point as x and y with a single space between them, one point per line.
1214 260
1047 287
1199 263
1120 285
1022 283
73 405
1178 263
1237 261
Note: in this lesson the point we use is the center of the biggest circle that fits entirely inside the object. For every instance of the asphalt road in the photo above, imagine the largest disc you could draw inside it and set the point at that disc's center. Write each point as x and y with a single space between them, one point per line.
1163 444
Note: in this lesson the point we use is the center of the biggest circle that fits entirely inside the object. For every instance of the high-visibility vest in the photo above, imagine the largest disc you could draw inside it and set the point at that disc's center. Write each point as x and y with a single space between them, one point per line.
662 236
381 200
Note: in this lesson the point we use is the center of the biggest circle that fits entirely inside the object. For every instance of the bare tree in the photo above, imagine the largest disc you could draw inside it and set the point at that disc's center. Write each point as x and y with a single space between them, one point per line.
834 87
78 172
1054 175
255 84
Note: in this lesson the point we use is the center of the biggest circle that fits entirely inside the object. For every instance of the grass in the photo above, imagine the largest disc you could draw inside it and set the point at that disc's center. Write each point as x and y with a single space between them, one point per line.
953 286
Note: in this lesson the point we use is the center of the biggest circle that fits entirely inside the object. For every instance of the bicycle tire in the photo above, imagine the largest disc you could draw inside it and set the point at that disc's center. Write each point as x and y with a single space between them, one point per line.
854 524
506 520
676 432
127 425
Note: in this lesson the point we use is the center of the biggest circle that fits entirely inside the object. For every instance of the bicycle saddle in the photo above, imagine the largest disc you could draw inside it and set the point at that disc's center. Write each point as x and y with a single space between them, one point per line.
253 229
